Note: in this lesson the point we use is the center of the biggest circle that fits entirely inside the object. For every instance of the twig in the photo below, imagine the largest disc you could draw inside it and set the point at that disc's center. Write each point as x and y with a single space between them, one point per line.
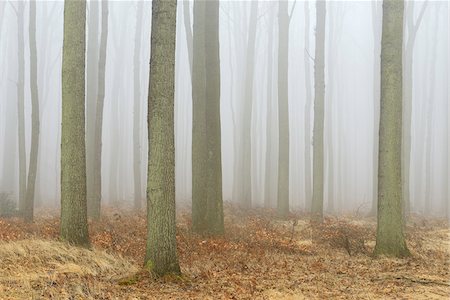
412 279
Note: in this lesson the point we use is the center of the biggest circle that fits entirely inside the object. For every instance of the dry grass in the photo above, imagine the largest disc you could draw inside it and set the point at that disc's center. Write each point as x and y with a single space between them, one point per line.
258 258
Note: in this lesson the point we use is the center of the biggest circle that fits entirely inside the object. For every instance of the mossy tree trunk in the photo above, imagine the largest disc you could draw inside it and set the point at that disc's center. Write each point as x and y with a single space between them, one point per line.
161 255
74 226
319 99
390 237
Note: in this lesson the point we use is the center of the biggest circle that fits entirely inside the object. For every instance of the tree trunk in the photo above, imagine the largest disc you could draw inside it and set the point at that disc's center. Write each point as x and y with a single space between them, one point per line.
31 183
319 86
21 106
74 226
308 100
283 110
91 100
161 255
390 237
268 176
137 110
98 134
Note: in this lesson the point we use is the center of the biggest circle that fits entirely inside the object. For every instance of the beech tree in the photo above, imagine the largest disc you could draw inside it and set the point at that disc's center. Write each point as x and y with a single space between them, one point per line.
390 238
161 254
74 226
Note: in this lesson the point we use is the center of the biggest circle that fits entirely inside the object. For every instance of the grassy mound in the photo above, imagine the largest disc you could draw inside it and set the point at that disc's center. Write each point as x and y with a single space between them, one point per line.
42 268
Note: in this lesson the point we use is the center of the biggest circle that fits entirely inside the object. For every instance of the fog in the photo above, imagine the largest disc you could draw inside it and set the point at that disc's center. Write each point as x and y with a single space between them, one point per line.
352 57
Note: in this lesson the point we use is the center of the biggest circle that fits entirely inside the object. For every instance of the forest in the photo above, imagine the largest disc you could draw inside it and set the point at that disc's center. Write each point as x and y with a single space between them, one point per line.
224 149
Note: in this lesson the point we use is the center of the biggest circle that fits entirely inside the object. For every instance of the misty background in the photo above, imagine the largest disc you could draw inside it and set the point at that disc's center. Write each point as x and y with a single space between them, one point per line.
350 66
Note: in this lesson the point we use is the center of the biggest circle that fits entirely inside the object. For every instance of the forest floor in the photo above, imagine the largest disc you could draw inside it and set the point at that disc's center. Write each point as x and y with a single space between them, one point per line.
259 257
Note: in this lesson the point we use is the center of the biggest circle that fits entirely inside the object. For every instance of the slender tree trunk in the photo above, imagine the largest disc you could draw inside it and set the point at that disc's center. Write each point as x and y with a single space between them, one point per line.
283 110
308 100
74 226
390 237
376 28
98 134
319 83
429 138
91 99
161 255
188 30
137 110
21 106
29 198
268 176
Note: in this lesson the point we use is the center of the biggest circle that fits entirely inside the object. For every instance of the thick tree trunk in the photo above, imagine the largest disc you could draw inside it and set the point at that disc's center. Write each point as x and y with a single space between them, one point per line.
308 100
74 226
390 237
32 171
91 100
95 208
319 86
283 110
137 110
161 255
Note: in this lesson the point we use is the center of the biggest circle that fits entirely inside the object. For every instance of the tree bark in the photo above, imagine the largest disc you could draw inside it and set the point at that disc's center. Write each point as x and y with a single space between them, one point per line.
91 100
95 208
283 110
319 86
137 110
308 100
32 171
390 237
161 255
74 227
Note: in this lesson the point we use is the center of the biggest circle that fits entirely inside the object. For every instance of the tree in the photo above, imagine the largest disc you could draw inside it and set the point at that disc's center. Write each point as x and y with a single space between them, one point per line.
319 98
31 182
376 29
98 134
390 237
408 51
137 110
91 101
283 108
242 186
308 100
268 176
161 255
207 203
74 227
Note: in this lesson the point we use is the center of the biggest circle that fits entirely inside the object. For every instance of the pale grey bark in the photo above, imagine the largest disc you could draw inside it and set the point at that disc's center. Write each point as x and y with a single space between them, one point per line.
137 110
308 104
91 99
318 137
21 106
390 238
161 255
244 173
283 110
376 29
268 175
74 226
32 171
408 51
188 30
95 207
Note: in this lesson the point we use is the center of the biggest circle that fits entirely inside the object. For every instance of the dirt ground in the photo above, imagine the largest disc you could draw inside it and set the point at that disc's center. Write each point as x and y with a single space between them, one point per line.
259 257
